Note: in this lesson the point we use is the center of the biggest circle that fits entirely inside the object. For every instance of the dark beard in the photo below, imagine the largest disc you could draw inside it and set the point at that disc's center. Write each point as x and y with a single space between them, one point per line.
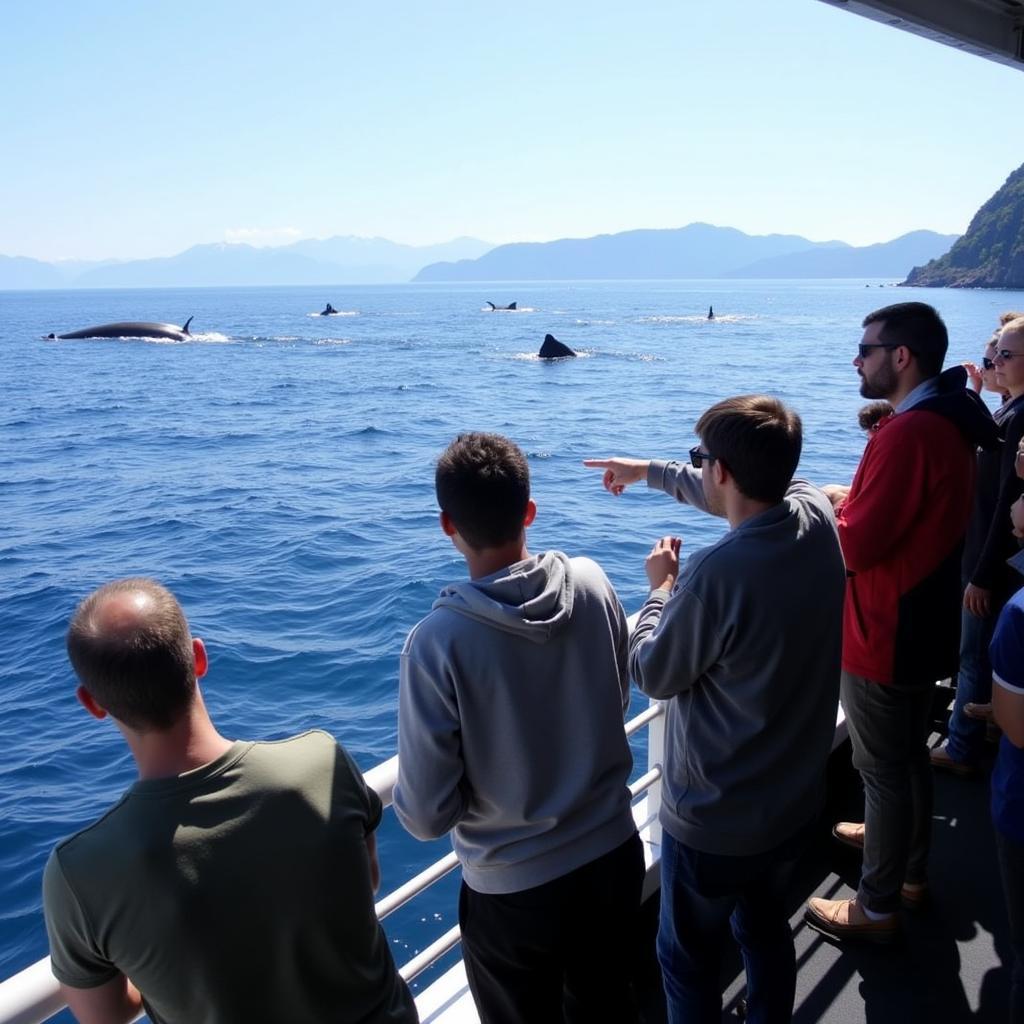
882 385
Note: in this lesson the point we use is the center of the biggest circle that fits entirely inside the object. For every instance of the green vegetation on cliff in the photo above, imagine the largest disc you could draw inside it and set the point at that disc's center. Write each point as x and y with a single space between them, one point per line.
991 254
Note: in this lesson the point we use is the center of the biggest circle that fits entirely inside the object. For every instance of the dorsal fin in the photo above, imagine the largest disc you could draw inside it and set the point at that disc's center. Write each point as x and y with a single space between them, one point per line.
554 349
512 306
185 329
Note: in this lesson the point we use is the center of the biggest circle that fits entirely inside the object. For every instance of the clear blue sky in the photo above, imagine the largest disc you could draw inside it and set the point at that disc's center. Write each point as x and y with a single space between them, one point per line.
137 129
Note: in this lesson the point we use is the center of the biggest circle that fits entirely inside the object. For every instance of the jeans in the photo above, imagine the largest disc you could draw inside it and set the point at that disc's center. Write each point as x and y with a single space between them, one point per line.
973 685
889 728
1011 867
559 951
703 897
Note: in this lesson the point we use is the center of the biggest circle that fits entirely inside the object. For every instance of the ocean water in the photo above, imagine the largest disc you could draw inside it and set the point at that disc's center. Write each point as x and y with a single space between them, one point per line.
276 471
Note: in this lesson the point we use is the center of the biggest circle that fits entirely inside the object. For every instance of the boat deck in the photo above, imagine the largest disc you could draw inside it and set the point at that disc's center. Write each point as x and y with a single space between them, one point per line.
951 964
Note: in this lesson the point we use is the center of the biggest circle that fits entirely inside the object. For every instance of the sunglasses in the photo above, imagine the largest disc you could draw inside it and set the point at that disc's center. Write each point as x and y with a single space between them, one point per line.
698 458
865 350
1006 355
986 363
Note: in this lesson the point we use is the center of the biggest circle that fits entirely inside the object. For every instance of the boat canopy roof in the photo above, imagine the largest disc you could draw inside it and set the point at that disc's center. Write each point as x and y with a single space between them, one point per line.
993 29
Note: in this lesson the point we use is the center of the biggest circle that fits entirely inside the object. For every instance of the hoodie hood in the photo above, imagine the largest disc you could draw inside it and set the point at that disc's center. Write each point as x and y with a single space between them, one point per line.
532 598
964 406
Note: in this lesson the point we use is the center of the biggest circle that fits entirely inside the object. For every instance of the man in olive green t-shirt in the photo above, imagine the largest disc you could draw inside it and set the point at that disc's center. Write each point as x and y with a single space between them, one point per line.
233 882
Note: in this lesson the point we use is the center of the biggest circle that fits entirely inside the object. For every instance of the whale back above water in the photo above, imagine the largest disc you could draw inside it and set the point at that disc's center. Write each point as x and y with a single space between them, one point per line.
554 349
131 329
511 305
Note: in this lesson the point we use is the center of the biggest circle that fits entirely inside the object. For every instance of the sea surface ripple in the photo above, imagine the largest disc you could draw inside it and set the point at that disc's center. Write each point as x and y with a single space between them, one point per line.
276 471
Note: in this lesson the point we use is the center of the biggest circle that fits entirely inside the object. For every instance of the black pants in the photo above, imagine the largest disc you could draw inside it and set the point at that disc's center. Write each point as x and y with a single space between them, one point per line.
560 951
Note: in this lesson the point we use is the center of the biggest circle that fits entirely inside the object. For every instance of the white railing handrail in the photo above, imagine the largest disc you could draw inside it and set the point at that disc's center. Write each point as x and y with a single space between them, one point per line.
33 995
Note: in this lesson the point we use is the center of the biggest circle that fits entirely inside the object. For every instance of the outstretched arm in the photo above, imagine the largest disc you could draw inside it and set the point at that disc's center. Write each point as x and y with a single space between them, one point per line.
678 480
619 473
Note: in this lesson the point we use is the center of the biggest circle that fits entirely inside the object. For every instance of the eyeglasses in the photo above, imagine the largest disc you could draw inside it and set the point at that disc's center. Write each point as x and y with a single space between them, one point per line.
986 363
865 350
1006 355
698 458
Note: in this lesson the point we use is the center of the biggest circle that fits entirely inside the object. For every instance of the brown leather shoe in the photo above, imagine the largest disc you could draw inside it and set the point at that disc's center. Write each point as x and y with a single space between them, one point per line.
979 712
940 759
844 919
850 833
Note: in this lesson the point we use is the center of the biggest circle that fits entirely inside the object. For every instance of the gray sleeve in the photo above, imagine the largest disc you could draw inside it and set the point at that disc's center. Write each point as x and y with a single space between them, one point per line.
674 644
622 651
74 957
429 795
679 481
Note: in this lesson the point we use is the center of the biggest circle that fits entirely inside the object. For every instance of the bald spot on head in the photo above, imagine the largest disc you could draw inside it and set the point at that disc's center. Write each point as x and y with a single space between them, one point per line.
130 646
122 613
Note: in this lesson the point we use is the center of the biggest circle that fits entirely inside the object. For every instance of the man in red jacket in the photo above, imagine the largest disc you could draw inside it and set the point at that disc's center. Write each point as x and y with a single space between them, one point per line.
901 525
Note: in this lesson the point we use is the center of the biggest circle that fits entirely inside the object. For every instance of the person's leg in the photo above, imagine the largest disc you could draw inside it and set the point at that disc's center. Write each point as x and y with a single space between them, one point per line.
509 948
599 929
692 934
761 927
973 686
1011 868
919 724
876 716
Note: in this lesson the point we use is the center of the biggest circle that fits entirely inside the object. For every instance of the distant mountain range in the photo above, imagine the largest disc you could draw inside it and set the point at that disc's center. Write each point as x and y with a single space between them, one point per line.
694 251
329 261
991 254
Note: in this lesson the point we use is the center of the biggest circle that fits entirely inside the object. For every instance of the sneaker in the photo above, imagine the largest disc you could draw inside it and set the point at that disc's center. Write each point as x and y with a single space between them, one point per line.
850 833
940 759
844 919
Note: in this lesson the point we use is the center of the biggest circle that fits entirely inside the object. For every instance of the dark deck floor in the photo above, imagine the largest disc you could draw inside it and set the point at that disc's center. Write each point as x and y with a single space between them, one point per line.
952 962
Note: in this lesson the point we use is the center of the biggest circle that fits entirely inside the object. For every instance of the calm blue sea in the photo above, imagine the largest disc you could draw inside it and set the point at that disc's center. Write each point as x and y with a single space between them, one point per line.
276 472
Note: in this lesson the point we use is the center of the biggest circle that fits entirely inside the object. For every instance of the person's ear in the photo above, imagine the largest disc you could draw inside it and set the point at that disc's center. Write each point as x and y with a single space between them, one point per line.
86 699
202 660
531 512
447 525
720 472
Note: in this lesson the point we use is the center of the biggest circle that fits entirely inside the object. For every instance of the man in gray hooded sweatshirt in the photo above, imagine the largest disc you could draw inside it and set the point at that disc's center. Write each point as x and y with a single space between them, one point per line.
510 733
743 641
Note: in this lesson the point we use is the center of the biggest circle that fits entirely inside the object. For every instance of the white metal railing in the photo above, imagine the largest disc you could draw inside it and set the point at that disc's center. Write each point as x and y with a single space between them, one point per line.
33 995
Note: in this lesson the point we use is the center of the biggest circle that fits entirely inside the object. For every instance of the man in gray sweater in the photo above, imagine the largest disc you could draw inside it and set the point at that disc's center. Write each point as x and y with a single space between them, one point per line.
745 641
511 703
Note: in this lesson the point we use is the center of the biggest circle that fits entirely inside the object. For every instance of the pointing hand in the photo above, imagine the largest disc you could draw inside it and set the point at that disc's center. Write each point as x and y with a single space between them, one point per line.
619 473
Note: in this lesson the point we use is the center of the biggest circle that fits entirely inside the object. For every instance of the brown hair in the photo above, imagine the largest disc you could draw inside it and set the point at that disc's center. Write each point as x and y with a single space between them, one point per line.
483 484
1015 325
869 415
759 440
143 671
917 326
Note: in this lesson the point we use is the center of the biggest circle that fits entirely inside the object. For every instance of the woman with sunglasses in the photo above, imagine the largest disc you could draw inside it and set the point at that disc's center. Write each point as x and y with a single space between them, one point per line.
989 582
983 378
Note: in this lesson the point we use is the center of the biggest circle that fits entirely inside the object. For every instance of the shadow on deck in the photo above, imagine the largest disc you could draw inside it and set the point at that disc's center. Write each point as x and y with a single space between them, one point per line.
949 964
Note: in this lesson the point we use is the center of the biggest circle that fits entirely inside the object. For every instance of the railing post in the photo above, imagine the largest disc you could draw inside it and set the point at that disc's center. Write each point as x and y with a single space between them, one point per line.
656 759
